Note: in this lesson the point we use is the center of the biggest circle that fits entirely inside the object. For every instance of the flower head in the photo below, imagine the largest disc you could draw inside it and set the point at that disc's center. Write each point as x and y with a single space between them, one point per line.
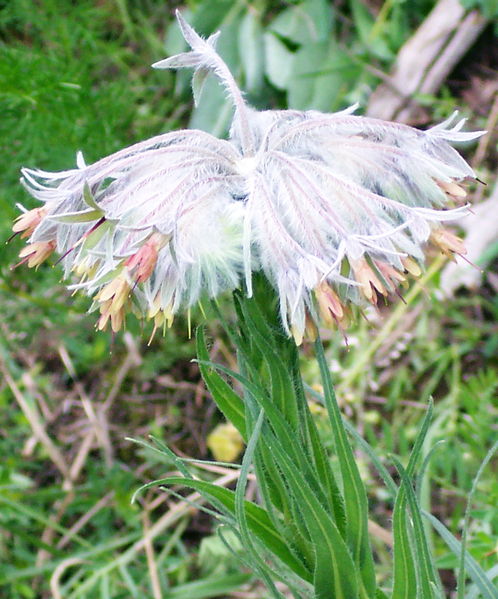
333 208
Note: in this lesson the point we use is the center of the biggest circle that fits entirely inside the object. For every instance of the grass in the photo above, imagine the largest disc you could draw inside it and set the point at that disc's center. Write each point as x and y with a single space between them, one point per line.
76 76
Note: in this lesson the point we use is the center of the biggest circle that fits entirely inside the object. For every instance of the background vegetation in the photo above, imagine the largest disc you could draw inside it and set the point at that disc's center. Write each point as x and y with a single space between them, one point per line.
76 76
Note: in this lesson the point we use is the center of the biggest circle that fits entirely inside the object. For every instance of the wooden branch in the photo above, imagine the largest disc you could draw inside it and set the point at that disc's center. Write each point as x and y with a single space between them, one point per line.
426 60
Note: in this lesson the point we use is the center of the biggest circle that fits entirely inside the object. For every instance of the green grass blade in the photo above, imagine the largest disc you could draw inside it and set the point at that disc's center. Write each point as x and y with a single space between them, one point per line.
461 580
164 450
419 441
477 574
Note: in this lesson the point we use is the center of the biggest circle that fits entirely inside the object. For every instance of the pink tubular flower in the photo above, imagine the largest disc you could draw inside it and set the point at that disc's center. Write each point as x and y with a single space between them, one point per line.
333 208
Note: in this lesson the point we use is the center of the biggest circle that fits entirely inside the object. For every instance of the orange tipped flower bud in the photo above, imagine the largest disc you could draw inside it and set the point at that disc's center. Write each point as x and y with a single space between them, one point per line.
112 299
448 242
36 253
141 264
390 274
310 329
368 280
27 222
412 267
452 189
329 305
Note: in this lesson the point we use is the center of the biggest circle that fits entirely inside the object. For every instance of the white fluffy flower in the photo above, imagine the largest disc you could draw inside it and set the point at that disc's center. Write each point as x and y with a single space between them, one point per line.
332 207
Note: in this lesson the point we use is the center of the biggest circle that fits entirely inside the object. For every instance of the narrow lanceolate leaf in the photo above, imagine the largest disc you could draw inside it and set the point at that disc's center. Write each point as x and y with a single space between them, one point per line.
335 574
225 397
405 577
405 585
83 216
281 382
209 587
326 477
426 573
355 499
258 520
255 558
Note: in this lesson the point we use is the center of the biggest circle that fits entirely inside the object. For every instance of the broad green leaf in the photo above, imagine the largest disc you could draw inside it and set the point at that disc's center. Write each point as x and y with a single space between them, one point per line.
308 22
251 51
307 69
279 61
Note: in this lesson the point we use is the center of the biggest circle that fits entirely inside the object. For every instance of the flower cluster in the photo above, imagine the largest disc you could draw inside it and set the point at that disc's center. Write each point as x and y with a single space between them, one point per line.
333 208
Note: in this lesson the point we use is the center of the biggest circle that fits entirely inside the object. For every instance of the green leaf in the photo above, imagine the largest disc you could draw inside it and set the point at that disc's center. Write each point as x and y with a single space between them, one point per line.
208 587
355 499
484 463
422 556
241 514
364 24
308 22
279 373
258 520
198 80
225 397
251 50
83 216
279 61
335 574
405 577
405 584
165 451
326 476
364 446
89 199
213 114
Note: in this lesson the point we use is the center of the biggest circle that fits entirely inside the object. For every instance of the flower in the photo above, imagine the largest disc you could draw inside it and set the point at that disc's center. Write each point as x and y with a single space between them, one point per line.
333 208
